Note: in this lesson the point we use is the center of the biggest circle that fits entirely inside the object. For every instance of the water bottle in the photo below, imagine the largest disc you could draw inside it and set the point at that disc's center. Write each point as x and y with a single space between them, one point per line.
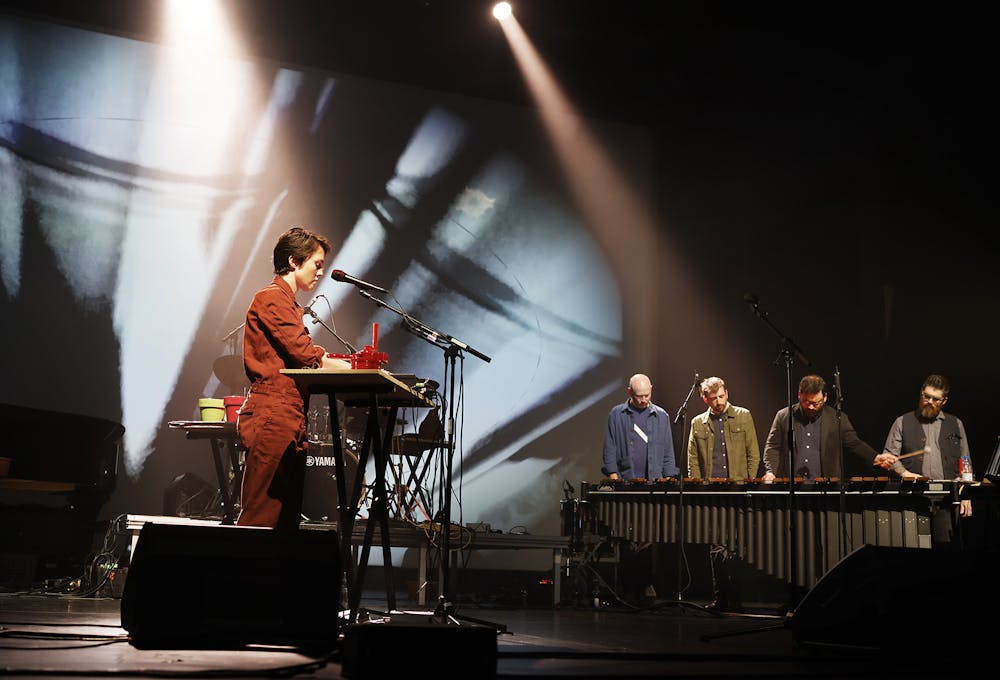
965 468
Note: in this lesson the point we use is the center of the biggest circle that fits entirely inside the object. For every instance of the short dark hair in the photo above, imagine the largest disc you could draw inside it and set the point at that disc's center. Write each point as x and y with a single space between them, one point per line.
712 384
938 382
811 384
298 244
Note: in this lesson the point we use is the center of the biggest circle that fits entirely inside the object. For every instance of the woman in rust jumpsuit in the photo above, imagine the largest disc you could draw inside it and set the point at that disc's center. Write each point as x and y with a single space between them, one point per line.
272 422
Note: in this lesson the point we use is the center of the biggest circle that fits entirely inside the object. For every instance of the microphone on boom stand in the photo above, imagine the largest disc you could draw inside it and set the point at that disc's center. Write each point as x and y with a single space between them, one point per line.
683 409
308 309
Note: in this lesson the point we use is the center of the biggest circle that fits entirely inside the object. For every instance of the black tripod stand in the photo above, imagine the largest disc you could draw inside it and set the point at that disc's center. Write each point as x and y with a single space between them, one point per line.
453 351
842 481
789 350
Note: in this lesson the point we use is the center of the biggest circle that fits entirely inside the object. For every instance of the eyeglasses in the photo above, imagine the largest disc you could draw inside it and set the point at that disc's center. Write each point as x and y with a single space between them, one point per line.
933 400
815 404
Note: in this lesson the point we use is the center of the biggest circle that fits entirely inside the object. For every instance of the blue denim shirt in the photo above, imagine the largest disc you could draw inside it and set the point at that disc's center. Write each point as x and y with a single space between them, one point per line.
626 457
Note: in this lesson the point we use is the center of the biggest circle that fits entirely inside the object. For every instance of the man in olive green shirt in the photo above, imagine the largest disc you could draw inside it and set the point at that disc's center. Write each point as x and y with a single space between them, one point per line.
723 439
722 445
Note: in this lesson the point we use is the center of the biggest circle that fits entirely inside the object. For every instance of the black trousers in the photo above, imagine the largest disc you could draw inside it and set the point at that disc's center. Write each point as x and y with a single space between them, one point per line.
725 592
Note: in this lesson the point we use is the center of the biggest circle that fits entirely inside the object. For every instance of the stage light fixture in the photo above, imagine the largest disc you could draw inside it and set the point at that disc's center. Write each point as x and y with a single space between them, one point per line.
502 10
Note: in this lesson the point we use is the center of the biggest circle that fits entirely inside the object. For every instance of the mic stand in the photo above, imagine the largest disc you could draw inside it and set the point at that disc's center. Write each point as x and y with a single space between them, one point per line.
789 350
233 332
682 416
453 349
309 310
232 339
842 482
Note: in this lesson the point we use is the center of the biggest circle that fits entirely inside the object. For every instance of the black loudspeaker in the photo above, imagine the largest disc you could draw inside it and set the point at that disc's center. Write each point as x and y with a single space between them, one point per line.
220 587
389 648
890 598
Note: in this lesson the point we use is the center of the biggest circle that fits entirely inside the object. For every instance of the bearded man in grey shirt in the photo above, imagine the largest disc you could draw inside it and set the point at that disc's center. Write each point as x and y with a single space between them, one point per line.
938 442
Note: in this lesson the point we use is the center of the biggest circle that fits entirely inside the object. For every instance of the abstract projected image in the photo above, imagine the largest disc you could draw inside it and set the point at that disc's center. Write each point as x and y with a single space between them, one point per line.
143 187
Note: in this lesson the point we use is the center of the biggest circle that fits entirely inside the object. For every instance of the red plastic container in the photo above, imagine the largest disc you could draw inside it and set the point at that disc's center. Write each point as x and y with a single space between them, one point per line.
233 405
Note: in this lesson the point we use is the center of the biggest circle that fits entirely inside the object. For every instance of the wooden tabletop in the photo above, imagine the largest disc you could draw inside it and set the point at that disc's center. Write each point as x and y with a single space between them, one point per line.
354 386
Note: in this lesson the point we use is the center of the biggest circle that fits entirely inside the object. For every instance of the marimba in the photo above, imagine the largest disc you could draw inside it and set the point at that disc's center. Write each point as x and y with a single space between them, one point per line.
822 521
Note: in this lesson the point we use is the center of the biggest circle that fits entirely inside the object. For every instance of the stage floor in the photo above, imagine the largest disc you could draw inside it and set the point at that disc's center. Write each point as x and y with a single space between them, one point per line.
65 636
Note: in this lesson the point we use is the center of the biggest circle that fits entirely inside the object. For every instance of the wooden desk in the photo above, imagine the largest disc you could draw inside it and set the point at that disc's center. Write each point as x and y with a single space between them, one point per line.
35 485
355 386
374 389
219 433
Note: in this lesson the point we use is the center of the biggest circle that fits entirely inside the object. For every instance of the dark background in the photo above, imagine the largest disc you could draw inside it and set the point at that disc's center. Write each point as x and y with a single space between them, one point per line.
831 158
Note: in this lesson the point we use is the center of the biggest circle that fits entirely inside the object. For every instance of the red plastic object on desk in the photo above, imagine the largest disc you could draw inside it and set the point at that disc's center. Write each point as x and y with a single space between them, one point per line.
369 356
233 404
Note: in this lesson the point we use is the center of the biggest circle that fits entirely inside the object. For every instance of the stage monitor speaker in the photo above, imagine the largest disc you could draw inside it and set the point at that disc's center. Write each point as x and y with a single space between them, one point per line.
388 648
891 598
220 587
